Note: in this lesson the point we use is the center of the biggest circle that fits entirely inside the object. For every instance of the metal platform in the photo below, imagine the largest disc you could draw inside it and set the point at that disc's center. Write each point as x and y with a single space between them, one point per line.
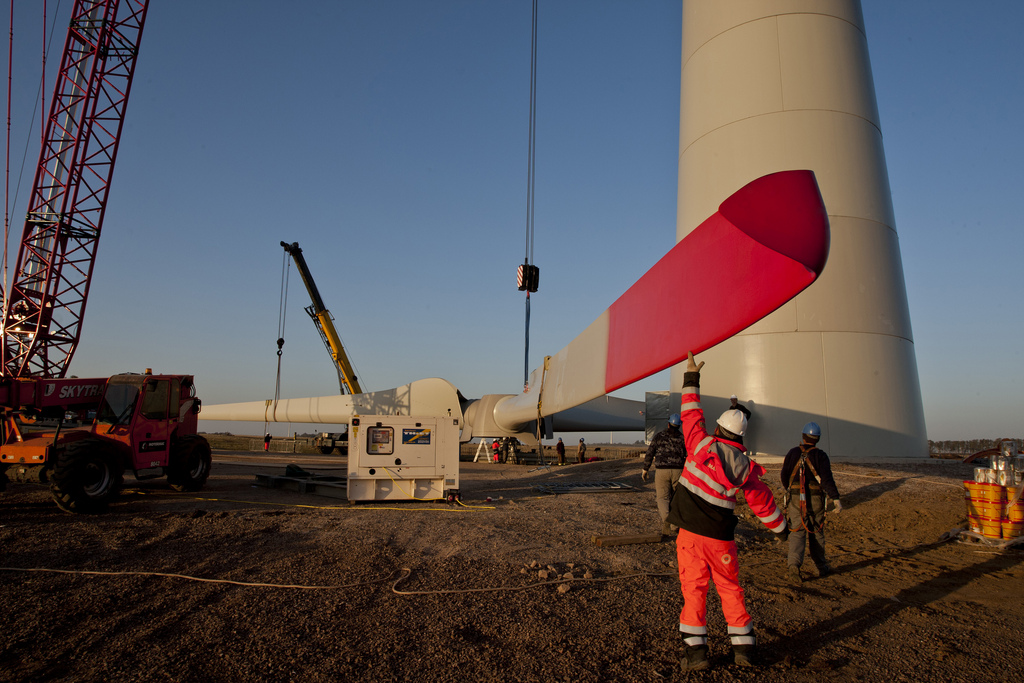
584 487
332 487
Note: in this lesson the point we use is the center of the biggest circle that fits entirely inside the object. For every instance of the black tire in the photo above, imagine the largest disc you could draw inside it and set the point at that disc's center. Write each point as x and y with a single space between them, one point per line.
325 450
87 476
191 460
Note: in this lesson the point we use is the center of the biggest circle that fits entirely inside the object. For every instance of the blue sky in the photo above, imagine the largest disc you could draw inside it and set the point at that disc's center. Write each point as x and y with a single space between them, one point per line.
389 139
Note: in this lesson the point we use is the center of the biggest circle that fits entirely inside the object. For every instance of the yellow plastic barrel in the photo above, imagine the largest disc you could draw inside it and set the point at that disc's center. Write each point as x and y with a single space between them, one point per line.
991 528
985 508
1015 513
1012 529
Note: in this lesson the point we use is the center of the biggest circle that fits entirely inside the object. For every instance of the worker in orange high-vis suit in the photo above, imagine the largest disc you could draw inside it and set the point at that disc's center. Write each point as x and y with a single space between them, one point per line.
702 507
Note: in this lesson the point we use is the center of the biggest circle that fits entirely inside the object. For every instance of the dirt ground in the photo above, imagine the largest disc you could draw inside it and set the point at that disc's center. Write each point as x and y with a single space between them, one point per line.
297 587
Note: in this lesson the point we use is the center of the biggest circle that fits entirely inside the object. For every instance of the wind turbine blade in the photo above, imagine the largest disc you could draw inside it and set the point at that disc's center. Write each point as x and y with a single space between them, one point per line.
766 243
431 397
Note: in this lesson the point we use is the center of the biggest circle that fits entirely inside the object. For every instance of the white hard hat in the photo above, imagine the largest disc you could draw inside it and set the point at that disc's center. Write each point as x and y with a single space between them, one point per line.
732 397
733 420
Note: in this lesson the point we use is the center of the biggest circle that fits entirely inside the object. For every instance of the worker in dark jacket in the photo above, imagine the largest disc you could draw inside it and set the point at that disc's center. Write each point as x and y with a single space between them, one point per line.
716 468
807 477
667 453
734 404
560 450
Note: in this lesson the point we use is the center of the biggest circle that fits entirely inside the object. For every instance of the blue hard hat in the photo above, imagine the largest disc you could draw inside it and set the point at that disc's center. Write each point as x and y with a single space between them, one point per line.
812 429
675 420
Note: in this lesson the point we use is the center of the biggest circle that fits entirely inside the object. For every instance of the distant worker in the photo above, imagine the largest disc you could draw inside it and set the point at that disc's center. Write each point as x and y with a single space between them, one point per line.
736 405
510 450
807 478
266 441
667 453
702 507
581 452
560 450
496 450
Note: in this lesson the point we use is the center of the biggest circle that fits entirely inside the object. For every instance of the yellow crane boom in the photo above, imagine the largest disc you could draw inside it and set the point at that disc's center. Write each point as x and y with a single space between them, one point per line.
325 324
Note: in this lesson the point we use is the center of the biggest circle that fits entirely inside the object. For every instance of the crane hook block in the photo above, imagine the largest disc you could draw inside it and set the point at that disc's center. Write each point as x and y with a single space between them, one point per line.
528 277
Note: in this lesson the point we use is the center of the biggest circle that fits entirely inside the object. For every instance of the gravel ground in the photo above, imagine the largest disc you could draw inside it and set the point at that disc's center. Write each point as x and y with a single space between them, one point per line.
308 588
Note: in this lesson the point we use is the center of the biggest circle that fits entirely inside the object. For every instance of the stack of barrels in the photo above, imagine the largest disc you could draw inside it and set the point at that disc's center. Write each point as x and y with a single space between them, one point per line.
995 506
988 513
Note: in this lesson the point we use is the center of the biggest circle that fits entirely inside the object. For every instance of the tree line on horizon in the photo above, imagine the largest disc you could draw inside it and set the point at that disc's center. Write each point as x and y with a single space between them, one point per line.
966 447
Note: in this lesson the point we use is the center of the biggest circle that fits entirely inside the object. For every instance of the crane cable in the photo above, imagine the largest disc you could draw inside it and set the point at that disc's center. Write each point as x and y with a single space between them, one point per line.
41 102
530 184
7 154
281 316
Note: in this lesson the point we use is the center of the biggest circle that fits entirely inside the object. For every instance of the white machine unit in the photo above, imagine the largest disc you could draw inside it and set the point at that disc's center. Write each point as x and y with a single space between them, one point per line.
393 457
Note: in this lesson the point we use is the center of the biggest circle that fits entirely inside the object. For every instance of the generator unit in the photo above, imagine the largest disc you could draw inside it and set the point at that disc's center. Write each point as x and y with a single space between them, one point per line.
394 457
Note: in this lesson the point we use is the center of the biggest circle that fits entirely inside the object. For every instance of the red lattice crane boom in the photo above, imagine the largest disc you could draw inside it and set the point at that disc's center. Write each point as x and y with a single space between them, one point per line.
45 304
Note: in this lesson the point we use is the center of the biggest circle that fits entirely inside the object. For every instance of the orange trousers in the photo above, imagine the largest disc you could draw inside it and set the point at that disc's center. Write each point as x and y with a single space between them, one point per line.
701 558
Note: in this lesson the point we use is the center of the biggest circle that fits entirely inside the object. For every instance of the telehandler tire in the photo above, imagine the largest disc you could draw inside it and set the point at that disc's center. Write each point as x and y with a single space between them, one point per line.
86 477
190 464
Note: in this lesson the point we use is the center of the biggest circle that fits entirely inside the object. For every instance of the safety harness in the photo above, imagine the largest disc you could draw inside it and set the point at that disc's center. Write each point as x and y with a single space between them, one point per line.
806 520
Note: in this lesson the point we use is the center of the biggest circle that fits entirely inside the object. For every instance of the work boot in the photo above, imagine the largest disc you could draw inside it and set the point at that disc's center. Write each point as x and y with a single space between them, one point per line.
744 655
695 658
794 575
824 570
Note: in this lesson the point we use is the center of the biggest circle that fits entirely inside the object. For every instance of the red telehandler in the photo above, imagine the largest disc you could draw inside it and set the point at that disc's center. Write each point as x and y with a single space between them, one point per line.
145 423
